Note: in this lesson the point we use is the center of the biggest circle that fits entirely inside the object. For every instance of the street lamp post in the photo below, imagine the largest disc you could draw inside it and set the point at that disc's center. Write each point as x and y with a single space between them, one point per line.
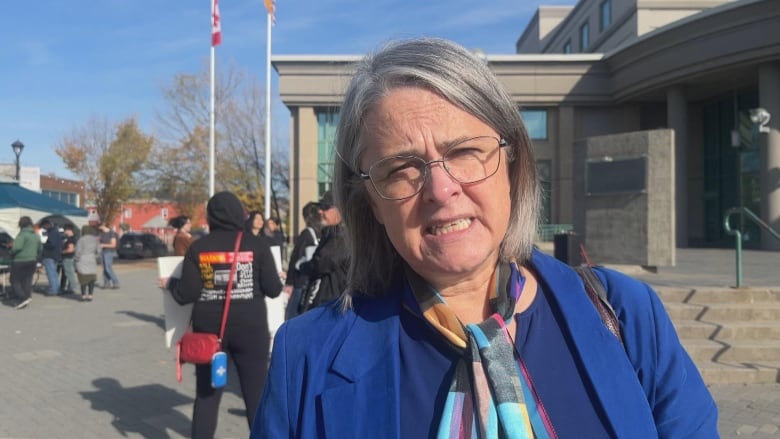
17 146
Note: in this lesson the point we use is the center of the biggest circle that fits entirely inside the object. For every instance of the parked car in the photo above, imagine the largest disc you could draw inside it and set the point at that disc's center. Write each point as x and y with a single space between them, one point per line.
141 245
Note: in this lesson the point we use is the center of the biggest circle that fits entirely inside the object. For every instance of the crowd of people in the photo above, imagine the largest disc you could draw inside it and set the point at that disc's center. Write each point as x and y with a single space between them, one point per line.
68 258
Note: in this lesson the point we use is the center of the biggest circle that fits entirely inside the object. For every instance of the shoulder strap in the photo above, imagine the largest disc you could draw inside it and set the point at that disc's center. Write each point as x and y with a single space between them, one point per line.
598 295
226 308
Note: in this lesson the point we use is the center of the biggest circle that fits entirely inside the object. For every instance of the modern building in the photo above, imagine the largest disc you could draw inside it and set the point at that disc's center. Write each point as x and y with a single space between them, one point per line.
707 69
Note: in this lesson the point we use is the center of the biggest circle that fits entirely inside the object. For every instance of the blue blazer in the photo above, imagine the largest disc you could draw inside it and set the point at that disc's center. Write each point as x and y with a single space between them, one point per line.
335 374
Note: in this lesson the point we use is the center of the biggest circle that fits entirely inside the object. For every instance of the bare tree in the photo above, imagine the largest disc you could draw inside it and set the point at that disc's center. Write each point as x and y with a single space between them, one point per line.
180 163
106 156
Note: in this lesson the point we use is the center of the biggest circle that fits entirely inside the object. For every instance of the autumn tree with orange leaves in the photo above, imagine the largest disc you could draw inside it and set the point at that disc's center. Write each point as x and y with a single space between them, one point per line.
106 157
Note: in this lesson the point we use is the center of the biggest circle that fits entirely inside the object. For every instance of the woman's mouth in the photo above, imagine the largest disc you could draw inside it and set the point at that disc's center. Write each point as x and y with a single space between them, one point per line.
450 227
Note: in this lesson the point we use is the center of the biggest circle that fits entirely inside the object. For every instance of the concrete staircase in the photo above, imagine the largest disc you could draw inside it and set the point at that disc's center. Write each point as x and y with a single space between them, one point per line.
733 335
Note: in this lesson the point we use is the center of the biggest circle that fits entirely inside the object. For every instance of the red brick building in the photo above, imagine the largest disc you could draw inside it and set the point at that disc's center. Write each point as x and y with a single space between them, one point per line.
149 216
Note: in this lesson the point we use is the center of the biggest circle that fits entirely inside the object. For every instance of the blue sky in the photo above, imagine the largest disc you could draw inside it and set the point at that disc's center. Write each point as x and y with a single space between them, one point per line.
67 61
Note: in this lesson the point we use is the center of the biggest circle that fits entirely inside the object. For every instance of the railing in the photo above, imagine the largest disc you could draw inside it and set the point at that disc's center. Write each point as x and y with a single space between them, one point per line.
547 232
738 234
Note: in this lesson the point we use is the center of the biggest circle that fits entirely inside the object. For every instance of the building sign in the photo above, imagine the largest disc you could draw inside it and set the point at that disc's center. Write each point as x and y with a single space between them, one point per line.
608 176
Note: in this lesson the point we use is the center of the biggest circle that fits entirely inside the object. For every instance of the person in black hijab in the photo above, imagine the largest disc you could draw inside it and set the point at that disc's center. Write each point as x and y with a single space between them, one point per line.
205 273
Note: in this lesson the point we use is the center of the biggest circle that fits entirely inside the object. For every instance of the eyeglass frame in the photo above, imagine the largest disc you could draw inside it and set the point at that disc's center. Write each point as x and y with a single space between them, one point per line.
502 143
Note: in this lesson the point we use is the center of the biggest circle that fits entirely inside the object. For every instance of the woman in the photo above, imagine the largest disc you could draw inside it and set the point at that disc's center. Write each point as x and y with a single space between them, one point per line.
85 259
450 313
205 269
254 223
25 252
183 238
304 247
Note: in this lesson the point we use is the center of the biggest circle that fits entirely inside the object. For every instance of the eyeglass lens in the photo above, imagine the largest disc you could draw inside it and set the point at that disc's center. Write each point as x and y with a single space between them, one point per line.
469 161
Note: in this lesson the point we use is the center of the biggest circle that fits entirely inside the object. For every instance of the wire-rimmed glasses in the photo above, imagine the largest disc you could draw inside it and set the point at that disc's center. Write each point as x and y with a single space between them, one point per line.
403 176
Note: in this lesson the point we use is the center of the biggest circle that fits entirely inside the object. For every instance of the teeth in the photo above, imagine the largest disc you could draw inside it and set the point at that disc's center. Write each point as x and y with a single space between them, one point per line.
451 227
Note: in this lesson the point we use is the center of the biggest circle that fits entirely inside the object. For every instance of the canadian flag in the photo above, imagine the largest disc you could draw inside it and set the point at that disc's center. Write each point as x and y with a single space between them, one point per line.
216 25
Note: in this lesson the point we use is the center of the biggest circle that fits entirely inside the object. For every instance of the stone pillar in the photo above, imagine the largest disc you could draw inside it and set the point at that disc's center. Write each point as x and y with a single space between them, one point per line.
303 158
564 203
769 99
677 120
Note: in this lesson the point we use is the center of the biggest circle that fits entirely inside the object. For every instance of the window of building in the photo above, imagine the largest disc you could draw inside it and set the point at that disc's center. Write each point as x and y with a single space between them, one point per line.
584 37
128 212
164 212
567 47
327 119
66 197
536 123
605 14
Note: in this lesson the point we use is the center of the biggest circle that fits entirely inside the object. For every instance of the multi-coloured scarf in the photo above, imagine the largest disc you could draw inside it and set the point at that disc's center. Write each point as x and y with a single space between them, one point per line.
492 395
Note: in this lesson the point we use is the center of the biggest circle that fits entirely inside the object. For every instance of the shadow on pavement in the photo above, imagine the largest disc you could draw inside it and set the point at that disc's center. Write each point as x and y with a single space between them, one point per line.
159 321
146 410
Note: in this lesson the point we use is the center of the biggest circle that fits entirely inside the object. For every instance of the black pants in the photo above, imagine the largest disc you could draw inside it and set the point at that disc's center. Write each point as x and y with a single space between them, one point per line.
248 348
21 279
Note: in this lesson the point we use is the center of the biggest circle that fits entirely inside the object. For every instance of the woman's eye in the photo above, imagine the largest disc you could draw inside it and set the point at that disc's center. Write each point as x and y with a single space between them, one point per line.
401 169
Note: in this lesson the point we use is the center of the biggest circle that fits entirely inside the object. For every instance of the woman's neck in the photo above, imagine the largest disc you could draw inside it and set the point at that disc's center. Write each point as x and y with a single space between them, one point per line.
470 299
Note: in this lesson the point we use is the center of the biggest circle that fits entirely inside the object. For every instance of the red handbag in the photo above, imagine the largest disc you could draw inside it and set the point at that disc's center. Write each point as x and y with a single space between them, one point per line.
200 347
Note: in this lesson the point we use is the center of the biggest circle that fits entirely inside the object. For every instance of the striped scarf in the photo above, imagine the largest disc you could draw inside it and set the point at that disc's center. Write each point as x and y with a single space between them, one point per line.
491 395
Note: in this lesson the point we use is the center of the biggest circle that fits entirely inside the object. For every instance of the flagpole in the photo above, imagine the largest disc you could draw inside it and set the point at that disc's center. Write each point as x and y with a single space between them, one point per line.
216 39
211 129
268 117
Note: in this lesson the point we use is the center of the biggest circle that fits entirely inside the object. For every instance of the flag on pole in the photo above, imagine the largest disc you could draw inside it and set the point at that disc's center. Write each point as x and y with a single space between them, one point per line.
216 24
270 5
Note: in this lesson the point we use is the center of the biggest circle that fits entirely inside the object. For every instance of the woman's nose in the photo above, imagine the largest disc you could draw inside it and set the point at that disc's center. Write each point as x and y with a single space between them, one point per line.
439 186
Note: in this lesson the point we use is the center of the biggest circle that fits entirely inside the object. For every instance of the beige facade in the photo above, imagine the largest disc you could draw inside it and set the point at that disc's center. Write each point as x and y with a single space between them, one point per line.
694 66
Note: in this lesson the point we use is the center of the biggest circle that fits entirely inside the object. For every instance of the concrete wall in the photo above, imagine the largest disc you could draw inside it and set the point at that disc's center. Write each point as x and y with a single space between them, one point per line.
628 228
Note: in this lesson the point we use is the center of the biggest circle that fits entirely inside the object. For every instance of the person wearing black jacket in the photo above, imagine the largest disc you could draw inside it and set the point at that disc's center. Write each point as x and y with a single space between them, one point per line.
302 251
330 261
205 273
52 256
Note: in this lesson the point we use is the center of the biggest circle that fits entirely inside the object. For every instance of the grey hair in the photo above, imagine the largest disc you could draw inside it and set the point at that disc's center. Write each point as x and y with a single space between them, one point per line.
463 79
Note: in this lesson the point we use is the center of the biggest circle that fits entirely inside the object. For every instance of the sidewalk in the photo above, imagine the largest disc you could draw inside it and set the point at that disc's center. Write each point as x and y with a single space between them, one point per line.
100 369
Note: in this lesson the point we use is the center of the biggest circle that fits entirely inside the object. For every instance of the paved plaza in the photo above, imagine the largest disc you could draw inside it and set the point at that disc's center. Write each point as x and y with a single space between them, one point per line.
100 369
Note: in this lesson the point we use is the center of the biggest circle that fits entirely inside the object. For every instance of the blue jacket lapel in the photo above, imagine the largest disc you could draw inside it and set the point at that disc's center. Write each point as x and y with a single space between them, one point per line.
365 373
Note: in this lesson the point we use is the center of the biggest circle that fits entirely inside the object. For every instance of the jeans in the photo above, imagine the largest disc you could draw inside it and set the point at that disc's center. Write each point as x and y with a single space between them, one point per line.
109 277
52 275
70 273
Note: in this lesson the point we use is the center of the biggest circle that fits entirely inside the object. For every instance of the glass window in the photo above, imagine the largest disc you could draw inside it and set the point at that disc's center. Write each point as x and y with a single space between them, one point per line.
567 47
164 212
128 212
65 197
536 123
584 37
327 119
605 14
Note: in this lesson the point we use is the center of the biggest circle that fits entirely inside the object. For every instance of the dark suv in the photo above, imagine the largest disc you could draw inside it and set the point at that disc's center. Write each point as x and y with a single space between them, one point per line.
141 245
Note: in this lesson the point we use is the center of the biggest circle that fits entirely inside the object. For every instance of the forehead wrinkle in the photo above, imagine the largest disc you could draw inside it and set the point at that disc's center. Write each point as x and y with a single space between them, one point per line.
409 130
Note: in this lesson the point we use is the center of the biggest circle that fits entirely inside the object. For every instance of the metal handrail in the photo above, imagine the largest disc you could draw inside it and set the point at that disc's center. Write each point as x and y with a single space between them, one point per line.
738 234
